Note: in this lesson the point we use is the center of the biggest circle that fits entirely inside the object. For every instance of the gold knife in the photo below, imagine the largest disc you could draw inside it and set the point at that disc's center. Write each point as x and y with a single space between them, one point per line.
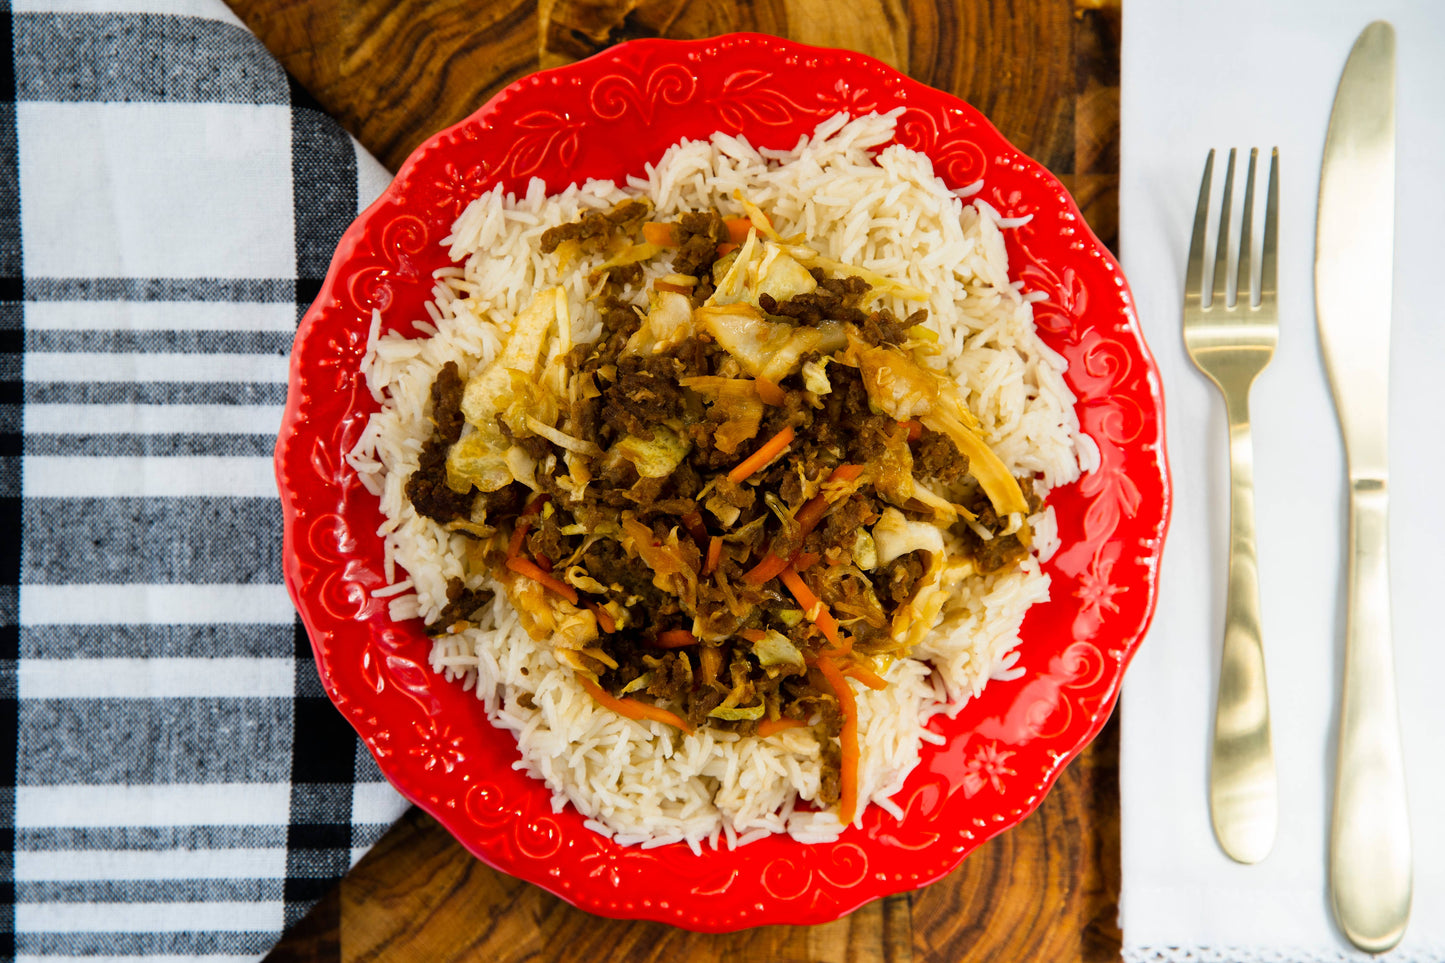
1370 863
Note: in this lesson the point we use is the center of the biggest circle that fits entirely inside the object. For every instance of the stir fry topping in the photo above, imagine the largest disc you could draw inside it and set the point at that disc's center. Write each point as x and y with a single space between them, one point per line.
746 491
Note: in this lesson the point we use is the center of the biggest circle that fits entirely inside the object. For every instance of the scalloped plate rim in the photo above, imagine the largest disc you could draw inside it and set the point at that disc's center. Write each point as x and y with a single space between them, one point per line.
534 871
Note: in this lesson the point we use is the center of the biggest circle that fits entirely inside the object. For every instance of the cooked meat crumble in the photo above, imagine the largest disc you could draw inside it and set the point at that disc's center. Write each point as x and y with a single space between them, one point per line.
726 500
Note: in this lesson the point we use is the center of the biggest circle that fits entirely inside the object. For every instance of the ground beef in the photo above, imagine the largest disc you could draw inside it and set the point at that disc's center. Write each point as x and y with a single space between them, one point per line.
505 503
546 539
715 618
699 703
427 488
873 435
535 446
462 604
813 308
446 399
834 539
843 408
882 327
671 678
1000 551
698 234
830 776
649 608
596 229
936 456
646 393
428 492
897 582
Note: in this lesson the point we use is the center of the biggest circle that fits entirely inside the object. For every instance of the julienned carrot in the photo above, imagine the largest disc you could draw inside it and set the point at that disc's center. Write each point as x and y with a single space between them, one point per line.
915 429
770 393
813 607
533 571
514 547
847 740
771 727
675 639
753 635
768 568
632 708
814 508
726 247
770 449
605 621
659 234
737 228
535 505
714 555
673 288
545 563
865 675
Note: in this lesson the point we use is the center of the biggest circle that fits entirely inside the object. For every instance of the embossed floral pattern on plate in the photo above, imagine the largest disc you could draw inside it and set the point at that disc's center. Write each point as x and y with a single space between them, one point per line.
606 117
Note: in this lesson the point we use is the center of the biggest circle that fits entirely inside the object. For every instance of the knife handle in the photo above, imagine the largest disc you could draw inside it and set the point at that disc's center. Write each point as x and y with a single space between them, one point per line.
1243 791
1370 864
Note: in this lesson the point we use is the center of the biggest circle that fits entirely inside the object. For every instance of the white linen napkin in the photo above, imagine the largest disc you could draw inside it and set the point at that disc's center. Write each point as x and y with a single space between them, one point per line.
1262 73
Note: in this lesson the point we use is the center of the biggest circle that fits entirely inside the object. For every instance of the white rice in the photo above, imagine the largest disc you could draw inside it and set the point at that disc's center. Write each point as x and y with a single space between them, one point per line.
643 782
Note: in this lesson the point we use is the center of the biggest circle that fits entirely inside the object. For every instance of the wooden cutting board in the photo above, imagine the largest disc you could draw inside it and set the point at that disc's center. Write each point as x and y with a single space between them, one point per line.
1046 72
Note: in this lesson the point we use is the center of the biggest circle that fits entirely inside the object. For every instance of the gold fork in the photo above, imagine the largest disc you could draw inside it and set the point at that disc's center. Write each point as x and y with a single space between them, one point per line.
1231 345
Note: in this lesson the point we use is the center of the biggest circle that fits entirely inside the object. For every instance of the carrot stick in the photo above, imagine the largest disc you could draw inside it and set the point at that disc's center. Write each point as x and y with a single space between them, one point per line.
847 740
714 555
769 567
675 639
770 393
727 247
771 727
753 635
915 429
545 563
814 508
737 228
529 568
605 621
514 547
813 607
770 449
865 675
631 708
659 234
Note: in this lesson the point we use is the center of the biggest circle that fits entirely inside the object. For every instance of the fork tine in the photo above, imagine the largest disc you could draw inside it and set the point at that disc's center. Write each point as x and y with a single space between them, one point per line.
1268 285
1194 269
1221 251
1244 276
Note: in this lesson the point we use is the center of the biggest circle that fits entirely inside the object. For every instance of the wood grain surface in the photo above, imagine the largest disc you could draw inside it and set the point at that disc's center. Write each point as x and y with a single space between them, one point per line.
1046 73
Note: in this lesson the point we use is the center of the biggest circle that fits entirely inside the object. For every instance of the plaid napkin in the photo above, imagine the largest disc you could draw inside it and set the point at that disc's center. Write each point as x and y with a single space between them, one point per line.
169 202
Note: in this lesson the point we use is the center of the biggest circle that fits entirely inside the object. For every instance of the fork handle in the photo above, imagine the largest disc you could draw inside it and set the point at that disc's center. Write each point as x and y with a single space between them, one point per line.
1370 864
1243 792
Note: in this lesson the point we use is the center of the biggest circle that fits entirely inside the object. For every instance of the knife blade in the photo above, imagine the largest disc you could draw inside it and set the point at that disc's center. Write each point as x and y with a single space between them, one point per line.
1370 861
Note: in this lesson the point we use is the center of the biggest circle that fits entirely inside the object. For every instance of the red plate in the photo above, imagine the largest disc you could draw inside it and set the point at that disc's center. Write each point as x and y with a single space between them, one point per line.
605 118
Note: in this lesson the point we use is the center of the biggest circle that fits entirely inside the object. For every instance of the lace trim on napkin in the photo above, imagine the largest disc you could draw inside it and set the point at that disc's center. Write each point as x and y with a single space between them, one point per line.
1209 954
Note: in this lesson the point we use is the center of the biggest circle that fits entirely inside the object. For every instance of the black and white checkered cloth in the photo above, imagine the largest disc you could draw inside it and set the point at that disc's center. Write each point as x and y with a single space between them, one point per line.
169 201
